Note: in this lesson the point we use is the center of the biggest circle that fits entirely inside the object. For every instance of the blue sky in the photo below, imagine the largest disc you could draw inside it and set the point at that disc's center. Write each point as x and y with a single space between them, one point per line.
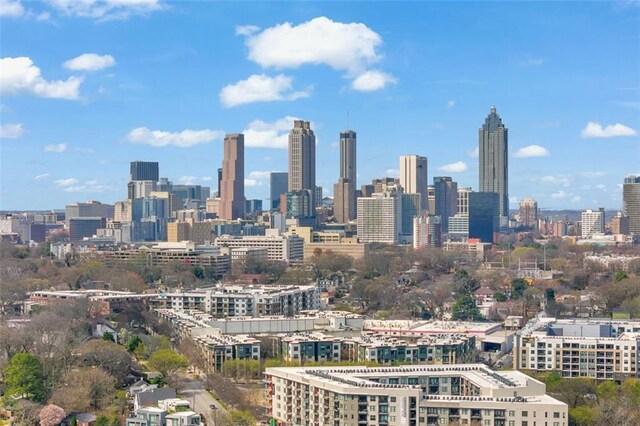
87 87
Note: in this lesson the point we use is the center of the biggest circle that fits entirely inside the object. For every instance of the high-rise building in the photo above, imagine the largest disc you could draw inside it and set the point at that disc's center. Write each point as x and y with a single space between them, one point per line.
302 159
427 231
278 184
620 224
529 213
91 209
592 222
145 170
494 165
484 213
380 216
446 203
344 209
217 194
317 196
348 150
232 201
413 177
411 207
431 202
298 204
631 202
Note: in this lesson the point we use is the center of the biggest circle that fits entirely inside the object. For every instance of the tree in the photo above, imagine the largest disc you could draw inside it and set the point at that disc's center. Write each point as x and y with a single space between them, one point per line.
132 343
620 275
499 296
241 418
167 361
24 377
108 336
517 288
111 357
51 415
85 389
465 309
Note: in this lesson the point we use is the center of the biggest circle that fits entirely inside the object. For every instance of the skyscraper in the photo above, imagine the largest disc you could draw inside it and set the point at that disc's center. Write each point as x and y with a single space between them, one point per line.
232 201
631 202
592 222
413 177
278 182
446 199
302 159
344 191
484 215
494 166
219 182
380 216
145 170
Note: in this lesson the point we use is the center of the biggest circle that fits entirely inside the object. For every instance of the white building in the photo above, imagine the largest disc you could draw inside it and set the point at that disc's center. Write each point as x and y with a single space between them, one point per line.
287 248
592 222
380 216
414 178
409 395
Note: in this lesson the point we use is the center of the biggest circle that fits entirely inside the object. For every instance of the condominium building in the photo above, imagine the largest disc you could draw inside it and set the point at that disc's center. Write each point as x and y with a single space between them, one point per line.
529 213
380 216
287 248
310 347
409 395
427 231
592 222
591 348
216 349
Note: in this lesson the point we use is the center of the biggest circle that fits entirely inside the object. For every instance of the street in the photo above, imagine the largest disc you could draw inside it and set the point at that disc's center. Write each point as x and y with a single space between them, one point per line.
196 393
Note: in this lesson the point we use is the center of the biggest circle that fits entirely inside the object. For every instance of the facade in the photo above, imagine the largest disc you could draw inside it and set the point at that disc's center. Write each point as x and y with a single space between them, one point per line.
427 231
631 202
348 150
380 216
302 159
620 224
344 202
592 348
413 177
494 160
84 227
298 204
529 213
145 170
279 247
592 222
310 347
217 349
278 184
446 203
232 201
484 211
410 209
90 209
409 395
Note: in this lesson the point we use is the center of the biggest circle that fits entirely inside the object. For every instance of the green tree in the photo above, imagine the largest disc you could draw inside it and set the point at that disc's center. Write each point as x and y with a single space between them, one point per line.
241 418
133 343
621 275
583 415
499 296
167 361
108 336
549 294
517 288
465 309
24 377
198 272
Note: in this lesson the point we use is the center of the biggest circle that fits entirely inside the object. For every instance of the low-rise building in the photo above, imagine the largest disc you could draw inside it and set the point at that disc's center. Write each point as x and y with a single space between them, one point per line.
217 348
283 248
409 395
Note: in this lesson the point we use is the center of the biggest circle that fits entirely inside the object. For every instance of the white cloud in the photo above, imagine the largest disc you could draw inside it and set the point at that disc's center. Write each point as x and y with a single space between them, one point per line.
349 47
207 178
513 200
90 62
451 104
58 147
601 187
11 8
106 9
372 80
576 199
563 180
43 16
393 172
531 151
252 182
260 88
188 180
260 134
66 182
21 75
474 153
88 186
559 195
457 167
246 30
42 176
11 131
595 130
532 62
592 174
183 139
260 175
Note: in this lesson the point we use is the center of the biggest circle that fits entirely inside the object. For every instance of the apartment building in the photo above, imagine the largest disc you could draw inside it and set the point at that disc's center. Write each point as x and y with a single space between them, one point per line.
597 349
287 248
217 349
409 395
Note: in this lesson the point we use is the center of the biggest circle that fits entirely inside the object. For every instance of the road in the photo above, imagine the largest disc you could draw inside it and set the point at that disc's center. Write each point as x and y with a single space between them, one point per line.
196 393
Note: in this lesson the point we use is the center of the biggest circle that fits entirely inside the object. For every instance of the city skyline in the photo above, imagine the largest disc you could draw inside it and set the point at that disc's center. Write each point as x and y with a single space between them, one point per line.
418 88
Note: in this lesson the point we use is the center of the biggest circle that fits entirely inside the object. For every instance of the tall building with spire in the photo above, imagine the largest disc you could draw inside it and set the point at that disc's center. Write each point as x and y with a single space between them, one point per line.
302 159
494 165
344 191
413 177
232 201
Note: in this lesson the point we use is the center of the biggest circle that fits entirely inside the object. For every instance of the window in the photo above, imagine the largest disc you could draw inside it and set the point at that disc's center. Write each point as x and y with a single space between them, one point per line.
372 418
512 413
556 415
392 419
393 399
525 414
